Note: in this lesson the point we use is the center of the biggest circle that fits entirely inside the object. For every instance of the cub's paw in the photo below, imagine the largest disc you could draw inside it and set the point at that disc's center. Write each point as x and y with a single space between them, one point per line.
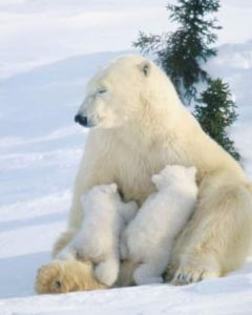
132 245
107 272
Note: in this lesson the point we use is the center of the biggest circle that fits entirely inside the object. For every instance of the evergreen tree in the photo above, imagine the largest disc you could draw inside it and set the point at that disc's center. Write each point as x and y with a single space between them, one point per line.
216 112
183 52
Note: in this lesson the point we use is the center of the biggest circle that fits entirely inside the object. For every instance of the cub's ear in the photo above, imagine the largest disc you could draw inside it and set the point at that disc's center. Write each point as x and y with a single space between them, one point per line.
192 170
156 179
113 187
145 68
108 188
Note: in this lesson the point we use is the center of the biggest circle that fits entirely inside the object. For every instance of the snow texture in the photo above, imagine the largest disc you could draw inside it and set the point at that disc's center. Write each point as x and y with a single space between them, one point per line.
48 51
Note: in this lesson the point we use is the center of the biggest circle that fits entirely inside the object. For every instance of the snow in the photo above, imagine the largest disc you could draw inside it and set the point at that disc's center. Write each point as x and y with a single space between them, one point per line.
48 51
225 296
68 27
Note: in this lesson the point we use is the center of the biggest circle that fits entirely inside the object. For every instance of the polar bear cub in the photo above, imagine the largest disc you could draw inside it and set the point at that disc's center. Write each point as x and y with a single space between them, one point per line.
98 239
148 239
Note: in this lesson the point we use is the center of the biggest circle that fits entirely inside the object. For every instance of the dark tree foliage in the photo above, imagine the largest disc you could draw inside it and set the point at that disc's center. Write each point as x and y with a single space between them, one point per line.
182 52
216 112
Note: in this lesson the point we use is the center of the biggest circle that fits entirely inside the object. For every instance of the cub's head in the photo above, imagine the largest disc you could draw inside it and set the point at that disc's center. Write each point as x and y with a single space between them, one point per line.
100 194
121 93
175 175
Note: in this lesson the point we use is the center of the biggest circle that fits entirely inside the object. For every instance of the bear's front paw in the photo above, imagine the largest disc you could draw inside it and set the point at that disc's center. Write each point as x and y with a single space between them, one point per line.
189 273
195 267
186 276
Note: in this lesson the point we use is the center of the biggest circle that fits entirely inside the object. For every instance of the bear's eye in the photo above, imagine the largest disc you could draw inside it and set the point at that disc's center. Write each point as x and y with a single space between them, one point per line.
102 91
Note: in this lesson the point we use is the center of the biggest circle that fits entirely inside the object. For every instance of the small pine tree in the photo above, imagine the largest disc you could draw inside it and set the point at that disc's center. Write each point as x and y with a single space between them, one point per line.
216 112
182 53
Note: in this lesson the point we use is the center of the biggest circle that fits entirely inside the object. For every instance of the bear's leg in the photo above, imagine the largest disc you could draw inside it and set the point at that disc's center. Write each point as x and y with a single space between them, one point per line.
63 240
107 271
217 239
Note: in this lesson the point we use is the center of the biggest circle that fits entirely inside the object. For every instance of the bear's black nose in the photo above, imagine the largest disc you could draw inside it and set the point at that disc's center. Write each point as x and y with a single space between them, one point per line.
82 120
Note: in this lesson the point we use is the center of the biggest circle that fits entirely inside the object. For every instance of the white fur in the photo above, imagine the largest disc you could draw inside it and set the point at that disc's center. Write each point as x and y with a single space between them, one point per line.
98 238
139 126
148 239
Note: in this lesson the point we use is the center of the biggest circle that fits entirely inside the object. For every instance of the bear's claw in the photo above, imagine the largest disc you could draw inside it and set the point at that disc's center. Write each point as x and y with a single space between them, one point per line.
186 276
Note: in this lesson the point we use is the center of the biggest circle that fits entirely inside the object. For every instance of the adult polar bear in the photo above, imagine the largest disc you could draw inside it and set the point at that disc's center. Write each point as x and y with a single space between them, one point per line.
138 126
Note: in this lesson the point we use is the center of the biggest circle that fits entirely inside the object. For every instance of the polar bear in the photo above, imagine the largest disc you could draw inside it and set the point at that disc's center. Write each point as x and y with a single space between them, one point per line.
148 239
137 126
98 239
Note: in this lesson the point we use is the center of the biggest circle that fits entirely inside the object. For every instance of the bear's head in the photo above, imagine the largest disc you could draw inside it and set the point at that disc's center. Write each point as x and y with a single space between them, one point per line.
173 175
123 93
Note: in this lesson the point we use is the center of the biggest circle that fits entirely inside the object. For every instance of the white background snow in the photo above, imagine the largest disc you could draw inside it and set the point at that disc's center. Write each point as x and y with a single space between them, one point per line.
48 49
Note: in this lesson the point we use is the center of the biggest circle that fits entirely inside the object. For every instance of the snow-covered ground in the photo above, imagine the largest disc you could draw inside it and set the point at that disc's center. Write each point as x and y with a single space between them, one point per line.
48 51
38 32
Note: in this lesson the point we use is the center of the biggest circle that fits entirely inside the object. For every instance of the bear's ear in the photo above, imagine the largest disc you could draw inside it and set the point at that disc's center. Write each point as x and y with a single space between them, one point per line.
145 68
